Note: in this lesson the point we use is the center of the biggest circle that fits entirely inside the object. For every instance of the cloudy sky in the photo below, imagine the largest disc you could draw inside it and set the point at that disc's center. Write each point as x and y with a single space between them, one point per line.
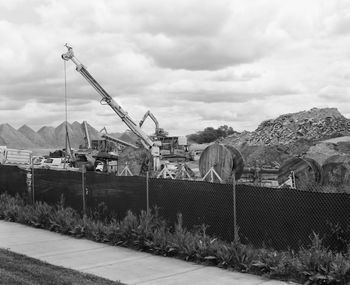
193 63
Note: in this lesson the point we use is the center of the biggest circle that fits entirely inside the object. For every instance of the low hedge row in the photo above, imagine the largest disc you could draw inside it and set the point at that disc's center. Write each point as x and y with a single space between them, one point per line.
149 232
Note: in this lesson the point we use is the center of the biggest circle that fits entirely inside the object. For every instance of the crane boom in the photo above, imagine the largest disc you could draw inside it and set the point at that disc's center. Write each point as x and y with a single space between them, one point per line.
87 135
69 55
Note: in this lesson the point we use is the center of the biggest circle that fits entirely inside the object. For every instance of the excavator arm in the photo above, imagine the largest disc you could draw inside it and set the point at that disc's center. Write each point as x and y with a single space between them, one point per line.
149 114
159 132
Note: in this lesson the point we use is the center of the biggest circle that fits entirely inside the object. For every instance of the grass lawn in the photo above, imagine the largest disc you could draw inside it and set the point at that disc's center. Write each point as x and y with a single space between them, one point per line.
20 269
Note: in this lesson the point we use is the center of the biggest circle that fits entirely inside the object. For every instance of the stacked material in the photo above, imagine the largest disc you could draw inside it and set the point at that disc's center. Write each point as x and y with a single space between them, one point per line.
315 124
296 134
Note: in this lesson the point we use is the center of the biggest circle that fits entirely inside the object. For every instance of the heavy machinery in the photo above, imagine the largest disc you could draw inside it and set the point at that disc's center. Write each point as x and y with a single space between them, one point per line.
173 148
159 132
148 143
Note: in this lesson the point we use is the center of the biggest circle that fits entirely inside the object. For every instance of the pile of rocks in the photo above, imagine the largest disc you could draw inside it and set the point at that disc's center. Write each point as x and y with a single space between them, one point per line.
315 124
289 135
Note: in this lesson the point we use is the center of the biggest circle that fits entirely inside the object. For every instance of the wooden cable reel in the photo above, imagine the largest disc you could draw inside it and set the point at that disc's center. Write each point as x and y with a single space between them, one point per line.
305 171
336 170
139 160
224 159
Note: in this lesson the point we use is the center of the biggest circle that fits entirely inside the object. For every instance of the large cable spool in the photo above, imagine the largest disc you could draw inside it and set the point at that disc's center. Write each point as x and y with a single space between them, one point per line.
225 160
305 171
139 160
336 170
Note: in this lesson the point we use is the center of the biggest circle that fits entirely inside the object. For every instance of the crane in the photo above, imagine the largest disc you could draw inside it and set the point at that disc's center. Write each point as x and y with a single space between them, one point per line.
153 146
87 135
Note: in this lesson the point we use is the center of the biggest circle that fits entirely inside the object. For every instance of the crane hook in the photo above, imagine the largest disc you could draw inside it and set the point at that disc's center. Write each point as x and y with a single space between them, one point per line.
69 54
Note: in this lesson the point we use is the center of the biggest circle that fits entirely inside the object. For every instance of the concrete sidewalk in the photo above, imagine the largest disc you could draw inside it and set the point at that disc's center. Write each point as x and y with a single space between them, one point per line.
115 263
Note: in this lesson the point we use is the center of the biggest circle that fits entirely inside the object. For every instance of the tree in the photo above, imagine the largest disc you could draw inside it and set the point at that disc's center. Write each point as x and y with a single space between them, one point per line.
210 134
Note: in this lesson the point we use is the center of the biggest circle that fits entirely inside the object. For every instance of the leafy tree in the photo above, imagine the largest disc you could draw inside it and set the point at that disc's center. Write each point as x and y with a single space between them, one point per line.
210 134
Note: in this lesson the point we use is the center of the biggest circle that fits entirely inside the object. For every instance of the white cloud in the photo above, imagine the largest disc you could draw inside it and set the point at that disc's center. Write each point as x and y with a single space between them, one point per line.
192 63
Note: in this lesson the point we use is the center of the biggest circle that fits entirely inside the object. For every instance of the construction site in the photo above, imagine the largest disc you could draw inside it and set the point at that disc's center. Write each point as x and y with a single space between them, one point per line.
272 183
299 150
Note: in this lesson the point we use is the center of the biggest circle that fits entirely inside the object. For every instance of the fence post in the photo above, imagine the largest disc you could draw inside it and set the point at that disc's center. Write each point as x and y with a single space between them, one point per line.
235 228
83 171
33 188
147 192
29 185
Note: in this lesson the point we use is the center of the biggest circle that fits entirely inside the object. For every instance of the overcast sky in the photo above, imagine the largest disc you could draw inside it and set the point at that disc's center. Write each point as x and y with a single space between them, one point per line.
192 63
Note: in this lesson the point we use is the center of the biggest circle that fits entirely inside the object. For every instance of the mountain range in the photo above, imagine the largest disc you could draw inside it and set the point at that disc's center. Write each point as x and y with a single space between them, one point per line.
47 137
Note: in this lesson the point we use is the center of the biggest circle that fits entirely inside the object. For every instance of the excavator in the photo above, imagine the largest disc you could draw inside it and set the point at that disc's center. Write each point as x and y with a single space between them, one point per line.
147 142
173 148
159 132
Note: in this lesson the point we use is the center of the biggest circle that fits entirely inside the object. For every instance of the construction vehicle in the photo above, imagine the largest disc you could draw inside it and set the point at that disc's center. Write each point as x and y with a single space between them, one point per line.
159 132
148 143
173 148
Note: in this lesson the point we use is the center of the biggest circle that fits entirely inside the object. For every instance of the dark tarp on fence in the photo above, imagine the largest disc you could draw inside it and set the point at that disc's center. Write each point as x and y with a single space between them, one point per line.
118 193
198 202
13 180
287 217
280 218
52 185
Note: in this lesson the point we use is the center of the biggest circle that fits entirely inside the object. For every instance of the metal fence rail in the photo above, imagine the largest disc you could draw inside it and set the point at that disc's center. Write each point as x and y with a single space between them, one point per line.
280 218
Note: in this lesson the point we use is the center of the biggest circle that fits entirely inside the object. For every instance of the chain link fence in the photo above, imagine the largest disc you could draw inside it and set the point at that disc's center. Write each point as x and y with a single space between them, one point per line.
282 217
275 217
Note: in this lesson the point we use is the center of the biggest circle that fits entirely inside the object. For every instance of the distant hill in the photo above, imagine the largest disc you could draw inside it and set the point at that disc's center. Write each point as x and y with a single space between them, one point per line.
47 137
10 136
129 136
33 136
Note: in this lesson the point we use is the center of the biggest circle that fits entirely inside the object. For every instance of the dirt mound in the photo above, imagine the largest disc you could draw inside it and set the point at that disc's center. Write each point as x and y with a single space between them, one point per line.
13 138
45 137
315 124
33 136
48 134
295 134
130 137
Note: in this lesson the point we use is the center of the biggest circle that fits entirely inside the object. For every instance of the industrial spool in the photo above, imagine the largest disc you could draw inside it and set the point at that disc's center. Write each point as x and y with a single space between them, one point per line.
336 170
305 171
224 159
139 160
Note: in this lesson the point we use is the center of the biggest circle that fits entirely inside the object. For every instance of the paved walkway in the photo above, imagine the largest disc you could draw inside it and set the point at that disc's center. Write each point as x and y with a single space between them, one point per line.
115 263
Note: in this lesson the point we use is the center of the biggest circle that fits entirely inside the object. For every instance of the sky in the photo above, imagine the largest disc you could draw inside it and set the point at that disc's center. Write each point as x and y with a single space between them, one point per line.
193 63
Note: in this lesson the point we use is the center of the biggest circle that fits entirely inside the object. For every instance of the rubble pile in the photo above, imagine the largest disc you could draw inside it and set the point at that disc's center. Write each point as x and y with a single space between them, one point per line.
289 135
315 124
